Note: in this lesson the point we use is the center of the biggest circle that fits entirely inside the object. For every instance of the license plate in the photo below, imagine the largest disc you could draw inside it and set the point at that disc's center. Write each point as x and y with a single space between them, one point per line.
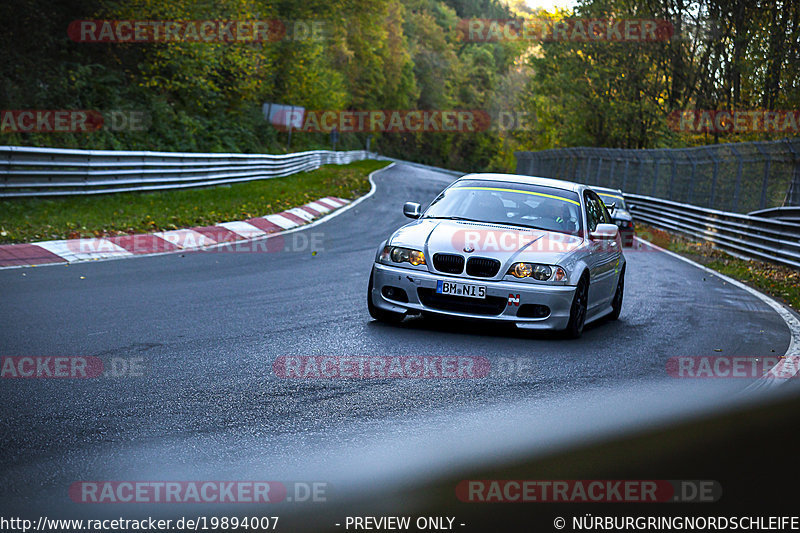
460 289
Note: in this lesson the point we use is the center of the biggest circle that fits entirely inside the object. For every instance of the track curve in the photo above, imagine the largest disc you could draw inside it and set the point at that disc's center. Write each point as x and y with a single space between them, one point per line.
208 326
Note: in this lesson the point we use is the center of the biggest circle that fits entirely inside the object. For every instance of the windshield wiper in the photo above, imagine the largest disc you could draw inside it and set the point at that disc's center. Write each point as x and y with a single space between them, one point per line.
529 226
455 218
516 224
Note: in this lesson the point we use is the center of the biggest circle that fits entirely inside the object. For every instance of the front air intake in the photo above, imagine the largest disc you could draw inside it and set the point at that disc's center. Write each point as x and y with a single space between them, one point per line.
449 263
482 267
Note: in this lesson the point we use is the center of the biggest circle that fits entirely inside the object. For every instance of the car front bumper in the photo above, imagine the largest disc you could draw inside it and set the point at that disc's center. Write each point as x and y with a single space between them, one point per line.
504 299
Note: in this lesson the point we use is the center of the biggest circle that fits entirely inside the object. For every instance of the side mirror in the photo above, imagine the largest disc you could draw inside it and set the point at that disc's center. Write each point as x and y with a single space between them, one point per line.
412 210
605 232
611 207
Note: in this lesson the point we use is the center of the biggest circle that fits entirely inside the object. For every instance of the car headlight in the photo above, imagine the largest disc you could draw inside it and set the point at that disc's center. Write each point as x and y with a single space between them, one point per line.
396 254
624 223
537 272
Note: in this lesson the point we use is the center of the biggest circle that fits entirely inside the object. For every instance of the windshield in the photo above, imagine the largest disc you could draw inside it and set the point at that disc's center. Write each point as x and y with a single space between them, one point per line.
609 199
517 204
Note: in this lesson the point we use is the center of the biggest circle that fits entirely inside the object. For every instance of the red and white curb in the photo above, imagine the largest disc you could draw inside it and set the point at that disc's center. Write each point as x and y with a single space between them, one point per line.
198 238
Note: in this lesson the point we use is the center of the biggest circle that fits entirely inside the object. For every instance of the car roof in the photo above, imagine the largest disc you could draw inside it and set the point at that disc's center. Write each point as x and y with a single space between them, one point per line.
530 180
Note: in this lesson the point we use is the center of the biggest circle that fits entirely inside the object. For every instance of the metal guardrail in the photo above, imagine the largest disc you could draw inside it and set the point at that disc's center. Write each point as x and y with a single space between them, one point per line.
27 171
788 214
750 236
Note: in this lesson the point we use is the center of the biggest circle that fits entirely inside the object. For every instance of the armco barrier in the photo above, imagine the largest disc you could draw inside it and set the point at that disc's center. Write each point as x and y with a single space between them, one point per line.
750 236
27 171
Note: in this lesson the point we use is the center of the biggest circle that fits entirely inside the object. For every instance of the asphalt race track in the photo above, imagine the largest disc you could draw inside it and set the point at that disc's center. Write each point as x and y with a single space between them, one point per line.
205 328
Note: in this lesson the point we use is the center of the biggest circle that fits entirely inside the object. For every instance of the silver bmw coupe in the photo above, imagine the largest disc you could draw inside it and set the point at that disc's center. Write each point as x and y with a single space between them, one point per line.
537 252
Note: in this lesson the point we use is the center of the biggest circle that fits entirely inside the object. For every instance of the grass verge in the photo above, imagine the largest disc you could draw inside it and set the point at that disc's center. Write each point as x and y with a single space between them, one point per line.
71 217
780 282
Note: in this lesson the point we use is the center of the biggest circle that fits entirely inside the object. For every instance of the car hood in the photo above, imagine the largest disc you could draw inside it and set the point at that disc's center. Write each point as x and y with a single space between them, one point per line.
508 244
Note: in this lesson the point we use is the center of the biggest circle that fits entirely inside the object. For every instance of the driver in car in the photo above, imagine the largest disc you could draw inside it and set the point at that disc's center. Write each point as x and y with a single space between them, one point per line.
489 207
556 214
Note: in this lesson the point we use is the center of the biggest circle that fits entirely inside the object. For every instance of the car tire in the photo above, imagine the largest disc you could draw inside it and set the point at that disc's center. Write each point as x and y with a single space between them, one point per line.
616 303
577 312
390 317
